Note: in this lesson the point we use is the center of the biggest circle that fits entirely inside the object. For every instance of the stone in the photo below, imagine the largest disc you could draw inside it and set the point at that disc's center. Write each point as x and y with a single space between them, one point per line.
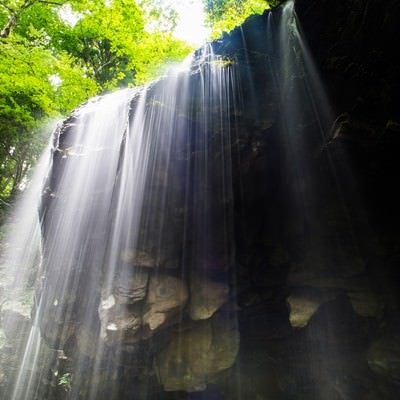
347 127
154 320
18 308
131 287
366 303
207 297
194 357
166 296
56 335
392 127
123 315
87 341
326 263
15 317
302 308
119 323
166 293
138 258
384 357
107 303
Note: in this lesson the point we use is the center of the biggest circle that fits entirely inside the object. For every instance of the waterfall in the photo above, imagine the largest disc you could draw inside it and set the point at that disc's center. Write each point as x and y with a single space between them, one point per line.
172 234
137 236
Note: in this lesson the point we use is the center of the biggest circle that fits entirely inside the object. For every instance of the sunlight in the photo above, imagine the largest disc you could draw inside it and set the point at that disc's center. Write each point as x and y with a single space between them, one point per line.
190 27
55 81
191 22
68 15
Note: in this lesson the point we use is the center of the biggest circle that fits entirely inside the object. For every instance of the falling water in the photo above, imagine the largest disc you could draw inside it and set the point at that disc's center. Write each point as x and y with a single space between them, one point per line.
124 250
20 266
135 214
306 126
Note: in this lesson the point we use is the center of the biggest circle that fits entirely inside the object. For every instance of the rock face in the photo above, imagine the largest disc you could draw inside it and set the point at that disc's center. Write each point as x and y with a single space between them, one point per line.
207 297
193 359
304 302
158 299
383 357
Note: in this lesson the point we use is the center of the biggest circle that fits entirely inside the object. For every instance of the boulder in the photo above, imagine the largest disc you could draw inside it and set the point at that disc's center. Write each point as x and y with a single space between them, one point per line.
367 303
195 356
302 308
120 323
132 287
206 297
384 357
166 296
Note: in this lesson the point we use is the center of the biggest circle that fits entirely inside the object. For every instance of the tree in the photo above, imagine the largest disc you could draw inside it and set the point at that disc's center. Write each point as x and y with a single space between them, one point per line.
224 15
49 65
16 8
113 44
29 98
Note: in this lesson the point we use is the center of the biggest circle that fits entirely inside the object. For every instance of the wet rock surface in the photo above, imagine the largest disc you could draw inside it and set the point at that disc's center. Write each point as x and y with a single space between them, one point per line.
194 357
313 281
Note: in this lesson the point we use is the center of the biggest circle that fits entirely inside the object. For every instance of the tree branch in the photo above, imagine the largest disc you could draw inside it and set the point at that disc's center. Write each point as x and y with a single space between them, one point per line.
53 3
16 14
10 25
8 8
13 19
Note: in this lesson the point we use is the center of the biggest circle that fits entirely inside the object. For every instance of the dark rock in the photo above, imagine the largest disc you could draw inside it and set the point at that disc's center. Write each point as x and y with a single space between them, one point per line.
207 297
192 358
384 357
303 246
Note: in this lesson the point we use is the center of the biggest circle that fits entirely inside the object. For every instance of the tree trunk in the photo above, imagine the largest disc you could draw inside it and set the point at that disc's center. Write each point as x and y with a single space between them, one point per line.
11 23
15 15
14 18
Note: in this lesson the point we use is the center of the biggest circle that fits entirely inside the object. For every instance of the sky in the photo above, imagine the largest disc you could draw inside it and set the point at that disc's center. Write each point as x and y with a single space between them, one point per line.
190 24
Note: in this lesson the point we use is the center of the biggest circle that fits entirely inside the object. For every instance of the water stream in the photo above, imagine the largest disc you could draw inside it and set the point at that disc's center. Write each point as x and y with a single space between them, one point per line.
126 239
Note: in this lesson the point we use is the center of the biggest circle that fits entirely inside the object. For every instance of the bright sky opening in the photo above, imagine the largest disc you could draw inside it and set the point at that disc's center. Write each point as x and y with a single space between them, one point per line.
191 22
69 16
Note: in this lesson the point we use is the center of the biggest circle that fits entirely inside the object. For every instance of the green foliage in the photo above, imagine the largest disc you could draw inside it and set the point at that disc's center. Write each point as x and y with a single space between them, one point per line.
28 100
56 54
104 42
49 65
153 51
225 15
116 50
65 381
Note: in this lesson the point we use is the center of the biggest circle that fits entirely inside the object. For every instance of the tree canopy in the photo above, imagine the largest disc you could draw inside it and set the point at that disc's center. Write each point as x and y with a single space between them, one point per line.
224 15
55 54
